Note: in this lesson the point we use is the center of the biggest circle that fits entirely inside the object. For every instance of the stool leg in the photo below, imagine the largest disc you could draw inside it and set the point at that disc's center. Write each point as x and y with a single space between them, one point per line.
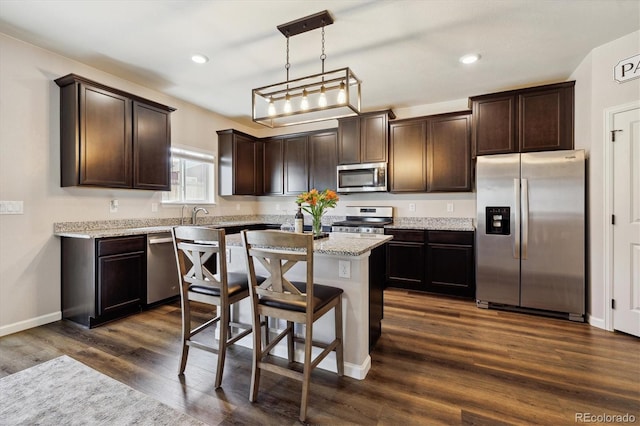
186 334
256 358
290 347
223 324
306 374
339 348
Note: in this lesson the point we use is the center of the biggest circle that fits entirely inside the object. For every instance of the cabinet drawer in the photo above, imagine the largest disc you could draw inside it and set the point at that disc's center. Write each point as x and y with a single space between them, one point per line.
107 247
411 235
451 237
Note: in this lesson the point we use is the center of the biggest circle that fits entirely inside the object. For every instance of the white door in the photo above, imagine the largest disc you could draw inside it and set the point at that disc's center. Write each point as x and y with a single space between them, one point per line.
626 231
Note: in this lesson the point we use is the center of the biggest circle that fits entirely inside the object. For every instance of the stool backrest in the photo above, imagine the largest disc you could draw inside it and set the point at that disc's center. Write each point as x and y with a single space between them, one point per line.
278 252
193 247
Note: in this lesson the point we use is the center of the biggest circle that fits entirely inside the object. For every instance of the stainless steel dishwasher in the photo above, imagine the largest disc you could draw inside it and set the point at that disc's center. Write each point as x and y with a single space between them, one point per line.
162 272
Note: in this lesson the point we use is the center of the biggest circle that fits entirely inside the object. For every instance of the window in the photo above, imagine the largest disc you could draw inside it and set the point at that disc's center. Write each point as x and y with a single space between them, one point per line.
191 177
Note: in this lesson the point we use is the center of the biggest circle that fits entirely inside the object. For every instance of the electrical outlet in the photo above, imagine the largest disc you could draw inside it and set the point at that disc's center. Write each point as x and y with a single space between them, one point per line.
412 207
113 206
228 255
154 207
450 207
278 207
344 269
237 206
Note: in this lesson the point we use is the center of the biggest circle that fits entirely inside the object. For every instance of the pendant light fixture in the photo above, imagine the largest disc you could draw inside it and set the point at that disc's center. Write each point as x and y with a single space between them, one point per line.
324 96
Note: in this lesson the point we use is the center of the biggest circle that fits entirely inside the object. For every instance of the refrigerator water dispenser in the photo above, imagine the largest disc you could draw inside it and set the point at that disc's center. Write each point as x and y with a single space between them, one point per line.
498 220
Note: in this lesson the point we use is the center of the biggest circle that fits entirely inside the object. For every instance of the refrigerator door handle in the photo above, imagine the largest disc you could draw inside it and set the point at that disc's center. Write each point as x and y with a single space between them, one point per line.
516 228
525 217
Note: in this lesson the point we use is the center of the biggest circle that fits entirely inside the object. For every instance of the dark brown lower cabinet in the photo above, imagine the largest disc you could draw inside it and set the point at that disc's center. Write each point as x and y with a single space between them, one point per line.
405 259
440 262
103 279
450 256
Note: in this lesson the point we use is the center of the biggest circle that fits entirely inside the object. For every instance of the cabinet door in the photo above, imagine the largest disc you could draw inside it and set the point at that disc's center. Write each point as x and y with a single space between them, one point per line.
405 265
120 283
323 149
121 275
450 256
494 125
449 154
349 140
105 138
151 148
373 138
244 165
296 165
546 120
408 157
273 167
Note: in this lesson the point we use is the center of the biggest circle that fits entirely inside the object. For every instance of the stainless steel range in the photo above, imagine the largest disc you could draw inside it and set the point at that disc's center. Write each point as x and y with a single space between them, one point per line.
365 219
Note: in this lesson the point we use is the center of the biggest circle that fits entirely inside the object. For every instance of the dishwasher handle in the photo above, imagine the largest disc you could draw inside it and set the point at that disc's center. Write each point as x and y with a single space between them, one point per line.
160 240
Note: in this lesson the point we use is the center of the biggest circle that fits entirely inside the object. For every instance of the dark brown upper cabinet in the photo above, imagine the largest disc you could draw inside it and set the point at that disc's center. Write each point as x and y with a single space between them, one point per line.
296 165
533 119
364 139
449 153
273 167
408 156
431 154
323 160
297 162
110 138
238 170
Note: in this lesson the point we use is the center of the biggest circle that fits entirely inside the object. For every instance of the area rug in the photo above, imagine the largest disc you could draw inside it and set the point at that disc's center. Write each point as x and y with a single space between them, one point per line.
63 391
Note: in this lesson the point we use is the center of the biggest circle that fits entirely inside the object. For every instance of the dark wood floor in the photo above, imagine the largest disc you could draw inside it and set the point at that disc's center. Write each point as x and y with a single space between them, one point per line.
439 361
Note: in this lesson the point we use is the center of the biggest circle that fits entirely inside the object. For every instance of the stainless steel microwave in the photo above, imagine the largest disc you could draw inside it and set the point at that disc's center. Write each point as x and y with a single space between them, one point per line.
369 177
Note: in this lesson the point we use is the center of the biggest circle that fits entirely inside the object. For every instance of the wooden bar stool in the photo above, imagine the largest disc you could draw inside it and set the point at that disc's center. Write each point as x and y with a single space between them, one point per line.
295 302
194 246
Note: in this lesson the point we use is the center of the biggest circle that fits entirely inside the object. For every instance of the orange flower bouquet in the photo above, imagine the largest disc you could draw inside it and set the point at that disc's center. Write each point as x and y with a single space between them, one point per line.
315 203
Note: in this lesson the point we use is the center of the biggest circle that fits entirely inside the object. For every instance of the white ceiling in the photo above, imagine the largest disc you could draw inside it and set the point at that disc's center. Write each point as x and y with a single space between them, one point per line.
405 52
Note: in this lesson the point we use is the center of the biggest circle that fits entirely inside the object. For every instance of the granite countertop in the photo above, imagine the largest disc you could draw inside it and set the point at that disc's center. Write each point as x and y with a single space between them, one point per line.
143 230
125 227
433 223
337 244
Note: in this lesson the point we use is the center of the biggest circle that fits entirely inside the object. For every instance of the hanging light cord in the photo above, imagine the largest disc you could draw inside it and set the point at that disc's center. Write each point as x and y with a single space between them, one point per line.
287 65
323 56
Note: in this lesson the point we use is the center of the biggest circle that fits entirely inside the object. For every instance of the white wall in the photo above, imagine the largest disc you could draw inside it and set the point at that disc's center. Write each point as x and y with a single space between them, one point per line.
596 90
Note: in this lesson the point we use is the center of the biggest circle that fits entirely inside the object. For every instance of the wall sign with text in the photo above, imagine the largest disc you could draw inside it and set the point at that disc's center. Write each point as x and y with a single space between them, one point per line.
627 69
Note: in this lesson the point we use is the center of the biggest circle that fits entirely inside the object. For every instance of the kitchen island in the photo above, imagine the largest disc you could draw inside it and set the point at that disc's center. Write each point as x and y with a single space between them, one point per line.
356 264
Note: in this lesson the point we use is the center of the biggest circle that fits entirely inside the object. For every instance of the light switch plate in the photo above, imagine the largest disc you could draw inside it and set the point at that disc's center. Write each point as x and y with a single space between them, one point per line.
11 207
450 207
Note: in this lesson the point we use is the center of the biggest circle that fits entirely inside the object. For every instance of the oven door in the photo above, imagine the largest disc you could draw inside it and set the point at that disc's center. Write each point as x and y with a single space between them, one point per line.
370 177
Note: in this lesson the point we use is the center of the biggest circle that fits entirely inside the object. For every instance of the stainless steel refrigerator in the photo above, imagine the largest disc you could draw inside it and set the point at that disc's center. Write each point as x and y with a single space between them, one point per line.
531 232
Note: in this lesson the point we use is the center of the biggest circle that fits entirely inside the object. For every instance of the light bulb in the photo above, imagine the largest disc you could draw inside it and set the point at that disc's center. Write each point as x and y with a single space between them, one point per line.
287 104
322 100
272 108
304 104
342 95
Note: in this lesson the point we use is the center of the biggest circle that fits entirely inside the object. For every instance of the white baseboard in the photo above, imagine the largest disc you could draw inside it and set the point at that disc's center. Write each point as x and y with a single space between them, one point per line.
596 322
355 371
30 323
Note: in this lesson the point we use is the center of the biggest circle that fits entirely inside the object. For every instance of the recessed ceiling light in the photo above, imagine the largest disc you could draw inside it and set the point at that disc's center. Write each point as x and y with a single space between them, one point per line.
469 59
199 59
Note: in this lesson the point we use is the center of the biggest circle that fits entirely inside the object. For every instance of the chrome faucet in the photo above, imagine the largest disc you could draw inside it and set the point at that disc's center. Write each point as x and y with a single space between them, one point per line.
194 214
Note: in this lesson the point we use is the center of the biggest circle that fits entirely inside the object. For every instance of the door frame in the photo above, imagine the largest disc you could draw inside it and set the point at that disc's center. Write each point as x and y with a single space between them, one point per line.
608 203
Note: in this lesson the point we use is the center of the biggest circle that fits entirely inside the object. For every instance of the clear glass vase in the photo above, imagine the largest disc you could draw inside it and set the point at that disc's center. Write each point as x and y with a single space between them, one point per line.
316 225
